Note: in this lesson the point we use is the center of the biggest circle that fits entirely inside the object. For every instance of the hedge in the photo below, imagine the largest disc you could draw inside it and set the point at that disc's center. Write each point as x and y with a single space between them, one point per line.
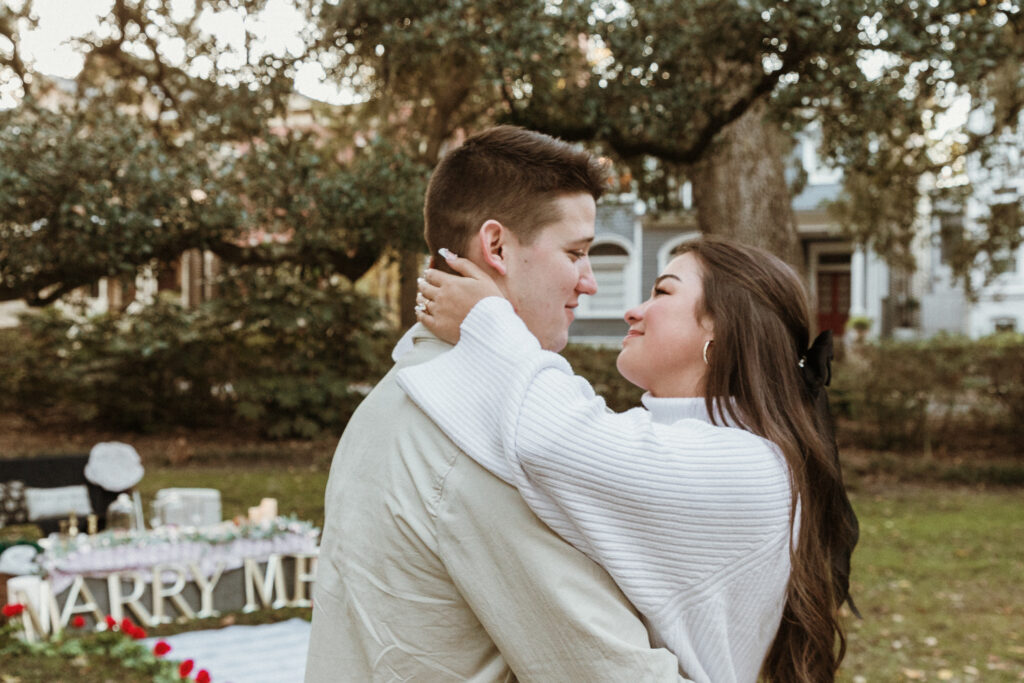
294 360
290 361
943 394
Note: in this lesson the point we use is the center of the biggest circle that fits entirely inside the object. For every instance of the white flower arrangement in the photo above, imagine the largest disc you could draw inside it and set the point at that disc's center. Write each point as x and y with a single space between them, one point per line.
58 548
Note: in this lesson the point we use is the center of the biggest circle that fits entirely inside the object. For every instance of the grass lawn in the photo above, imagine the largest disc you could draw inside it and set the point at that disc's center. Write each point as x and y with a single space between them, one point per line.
937 574
299 490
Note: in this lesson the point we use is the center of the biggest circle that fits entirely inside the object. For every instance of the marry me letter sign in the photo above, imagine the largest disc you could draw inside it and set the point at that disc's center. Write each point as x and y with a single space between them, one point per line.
167 592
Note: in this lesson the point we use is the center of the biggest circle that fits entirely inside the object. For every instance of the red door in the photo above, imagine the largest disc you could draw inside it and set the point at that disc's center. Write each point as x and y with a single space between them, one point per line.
833 302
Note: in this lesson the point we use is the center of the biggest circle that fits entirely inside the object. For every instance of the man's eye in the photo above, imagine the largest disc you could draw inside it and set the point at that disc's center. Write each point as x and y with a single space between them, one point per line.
578 253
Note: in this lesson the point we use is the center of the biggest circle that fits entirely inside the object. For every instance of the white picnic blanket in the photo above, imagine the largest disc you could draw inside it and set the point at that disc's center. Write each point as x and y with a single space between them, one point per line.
268 653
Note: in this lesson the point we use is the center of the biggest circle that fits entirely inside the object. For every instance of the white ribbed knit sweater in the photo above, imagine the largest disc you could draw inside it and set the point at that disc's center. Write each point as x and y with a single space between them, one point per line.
692 520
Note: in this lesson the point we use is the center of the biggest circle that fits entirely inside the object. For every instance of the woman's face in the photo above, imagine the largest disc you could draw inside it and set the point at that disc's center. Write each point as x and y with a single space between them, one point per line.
662 353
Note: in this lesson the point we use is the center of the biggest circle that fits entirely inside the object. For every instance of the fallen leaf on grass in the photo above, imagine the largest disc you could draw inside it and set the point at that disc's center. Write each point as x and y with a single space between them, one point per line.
996 663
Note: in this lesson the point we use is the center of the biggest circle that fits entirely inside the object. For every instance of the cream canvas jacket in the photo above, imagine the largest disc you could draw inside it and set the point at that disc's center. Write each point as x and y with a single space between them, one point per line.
433 569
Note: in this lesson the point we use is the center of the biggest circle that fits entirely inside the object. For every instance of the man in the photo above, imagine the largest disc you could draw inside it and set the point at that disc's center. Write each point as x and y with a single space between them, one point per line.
430 567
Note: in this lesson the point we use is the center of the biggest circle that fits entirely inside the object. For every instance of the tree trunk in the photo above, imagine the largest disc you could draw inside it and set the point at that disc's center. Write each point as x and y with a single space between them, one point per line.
410 267
740 190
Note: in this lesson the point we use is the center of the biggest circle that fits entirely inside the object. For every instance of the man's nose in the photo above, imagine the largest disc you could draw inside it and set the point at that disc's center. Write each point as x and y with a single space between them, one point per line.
587 283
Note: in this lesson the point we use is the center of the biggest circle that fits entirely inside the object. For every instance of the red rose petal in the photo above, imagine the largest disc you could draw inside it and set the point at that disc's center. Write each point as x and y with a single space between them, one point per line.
13 609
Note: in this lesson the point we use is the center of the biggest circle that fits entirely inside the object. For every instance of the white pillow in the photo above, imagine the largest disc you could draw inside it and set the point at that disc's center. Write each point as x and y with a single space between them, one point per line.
59 501
18 560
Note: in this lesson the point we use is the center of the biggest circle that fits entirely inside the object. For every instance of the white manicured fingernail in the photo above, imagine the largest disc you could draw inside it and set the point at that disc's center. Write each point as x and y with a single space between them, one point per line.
446 255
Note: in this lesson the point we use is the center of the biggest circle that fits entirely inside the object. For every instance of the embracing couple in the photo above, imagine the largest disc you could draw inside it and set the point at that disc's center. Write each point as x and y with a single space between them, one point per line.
489 519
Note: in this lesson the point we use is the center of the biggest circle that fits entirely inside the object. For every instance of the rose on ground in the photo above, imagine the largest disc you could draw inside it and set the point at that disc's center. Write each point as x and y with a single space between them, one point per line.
161 648
203 676
134 632
13 609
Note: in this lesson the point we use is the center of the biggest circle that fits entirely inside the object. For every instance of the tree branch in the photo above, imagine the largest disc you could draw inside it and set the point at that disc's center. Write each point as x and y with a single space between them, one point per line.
630 145
15 62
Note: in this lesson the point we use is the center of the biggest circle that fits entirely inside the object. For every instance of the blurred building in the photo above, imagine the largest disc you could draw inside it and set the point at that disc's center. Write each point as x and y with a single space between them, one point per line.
994 189
845 281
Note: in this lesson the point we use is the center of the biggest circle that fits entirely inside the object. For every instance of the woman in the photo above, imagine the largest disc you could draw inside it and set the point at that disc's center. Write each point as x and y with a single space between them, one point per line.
719 509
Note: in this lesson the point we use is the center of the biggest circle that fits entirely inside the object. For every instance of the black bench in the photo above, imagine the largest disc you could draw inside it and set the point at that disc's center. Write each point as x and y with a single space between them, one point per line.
51 471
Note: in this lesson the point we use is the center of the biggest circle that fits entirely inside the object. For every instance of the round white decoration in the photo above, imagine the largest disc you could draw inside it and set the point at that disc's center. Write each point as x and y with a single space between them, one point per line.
114 465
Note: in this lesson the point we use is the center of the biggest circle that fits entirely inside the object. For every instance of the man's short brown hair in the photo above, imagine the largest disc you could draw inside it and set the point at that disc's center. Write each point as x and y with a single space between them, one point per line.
508 174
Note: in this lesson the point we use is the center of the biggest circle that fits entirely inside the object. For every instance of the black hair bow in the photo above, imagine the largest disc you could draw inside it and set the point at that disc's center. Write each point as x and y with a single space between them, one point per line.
816 368
816 364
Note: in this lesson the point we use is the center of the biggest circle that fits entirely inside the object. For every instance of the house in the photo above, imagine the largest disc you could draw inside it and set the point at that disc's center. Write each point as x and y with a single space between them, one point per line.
844 280
631 249
993 184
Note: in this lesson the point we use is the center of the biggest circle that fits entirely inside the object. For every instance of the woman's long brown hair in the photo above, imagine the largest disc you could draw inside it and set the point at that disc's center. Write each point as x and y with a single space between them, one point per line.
761 331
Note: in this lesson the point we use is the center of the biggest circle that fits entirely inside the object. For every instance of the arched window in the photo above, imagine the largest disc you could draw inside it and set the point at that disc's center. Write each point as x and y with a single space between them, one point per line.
611 265
670 249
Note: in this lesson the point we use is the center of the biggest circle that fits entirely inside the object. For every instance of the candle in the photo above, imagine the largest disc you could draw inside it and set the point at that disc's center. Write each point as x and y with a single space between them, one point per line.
269 508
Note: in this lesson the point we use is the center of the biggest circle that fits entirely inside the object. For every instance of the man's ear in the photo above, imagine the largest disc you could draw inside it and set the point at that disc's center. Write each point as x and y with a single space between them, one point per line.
493 237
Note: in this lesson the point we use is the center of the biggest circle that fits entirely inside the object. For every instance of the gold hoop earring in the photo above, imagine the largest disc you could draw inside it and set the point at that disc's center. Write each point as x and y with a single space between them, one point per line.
707 345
